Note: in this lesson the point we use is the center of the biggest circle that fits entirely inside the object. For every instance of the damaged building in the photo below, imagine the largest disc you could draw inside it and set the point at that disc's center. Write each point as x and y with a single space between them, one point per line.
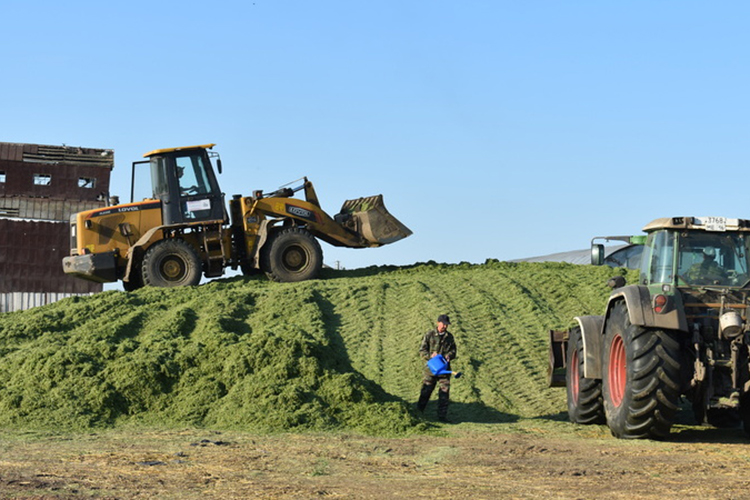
40 188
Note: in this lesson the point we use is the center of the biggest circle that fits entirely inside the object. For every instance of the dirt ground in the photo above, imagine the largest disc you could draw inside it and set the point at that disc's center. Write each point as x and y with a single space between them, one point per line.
467 463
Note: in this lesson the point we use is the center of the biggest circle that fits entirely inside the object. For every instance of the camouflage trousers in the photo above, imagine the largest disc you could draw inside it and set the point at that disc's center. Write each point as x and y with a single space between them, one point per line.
428 385
444 381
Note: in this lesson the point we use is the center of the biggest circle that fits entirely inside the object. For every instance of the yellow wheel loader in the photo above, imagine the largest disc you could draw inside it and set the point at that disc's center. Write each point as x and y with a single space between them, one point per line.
184 231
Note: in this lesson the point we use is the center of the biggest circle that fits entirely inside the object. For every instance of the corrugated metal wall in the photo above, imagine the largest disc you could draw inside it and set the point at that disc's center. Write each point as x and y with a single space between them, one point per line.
40 187
20 301
31 254
67 169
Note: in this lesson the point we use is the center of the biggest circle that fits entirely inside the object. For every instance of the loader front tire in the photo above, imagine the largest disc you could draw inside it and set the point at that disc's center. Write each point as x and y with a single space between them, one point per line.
641 384
135 282
171 263
292 254
584 394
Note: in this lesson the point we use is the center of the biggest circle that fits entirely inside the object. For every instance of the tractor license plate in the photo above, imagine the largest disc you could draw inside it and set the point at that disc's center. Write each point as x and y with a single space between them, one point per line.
716 223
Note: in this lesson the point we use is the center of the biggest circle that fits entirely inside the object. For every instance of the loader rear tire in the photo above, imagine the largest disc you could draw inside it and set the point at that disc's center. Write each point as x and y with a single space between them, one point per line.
641 384
171 263
292 254
585 404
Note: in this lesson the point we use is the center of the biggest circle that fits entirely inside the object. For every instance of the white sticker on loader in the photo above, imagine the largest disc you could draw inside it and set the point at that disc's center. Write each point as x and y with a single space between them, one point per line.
196 205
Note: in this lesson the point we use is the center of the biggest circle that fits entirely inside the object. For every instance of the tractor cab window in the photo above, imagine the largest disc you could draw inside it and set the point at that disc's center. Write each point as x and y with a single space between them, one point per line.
713 259
659 266
191 175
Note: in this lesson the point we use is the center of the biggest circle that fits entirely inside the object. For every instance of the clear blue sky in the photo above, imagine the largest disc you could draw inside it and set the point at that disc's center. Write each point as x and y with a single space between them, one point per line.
494 129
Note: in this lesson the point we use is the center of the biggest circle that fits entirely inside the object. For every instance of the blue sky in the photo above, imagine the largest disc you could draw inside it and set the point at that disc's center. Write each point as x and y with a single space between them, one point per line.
494 129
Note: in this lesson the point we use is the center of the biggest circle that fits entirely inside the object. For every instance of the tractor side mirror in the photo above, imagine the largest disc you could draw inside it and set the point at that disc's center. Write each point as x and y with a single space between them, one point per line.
597 254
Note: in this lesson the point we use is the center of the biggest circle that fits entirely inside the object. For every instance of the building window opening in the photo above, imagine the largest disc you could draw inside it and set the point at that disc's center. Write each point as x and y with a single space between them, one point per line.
2 177
42 179
87 182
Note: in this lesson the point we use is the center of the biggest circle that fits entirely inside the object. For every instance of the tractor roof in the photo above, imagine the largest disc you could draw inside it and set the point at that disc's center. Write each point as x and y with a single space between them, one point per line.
699 223
172 150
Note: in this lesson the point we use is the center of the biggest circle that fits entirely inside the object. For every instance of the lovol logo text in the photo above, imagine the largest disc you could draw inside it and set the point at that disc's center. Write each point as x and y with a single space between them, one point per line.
300 212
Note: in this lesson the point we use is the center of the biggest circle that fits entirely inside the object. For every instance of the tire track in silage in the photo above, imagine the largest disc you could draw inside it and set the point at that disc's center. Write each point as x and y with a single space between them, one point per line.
512 358
376 317
403 328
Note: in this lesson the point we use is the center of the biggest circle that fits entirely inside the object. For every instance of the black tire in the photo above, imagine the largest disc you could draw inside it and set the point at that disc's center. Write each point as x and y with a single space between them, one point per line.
248 270
745 412
641 385
585 404
724 418
698 404
135 282
170 263
292 254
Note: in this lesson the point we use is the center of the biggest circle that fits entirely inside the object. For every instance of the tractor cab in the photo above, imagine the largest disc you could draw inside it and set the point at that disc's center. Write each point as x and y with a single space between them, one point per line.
184 181
690 251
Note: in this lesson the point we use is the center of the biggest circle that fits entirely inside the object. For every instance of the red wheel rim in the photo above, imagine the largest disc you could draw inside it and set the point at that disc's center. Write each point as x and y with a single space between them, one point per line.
574 377
617 372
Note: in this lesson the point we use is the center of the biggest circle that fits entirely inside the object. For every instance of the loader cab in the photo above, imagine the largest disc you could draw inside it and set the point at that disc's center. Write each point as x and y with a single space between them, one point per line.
183 180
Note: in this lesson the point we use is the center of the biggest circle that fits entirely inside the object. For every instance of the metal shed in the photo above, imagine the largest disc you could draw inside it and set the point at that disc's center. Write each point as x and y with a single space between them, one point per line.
40 188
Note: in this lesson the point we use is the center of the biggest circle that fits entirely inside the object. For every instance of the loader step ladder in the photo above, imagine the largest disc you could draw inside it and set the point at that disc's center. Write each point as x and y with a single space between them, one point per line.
213 245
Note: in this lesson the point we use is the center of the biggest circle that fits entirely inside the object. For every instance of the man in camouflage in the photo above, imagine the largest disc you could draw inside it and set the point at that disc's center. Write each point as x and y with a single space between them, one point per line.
437 341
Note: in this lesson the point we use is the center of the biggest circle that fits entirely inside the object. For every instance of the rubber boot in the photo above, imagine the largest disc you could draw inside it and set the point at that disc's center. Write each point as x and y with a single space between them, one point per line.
442 408
424 397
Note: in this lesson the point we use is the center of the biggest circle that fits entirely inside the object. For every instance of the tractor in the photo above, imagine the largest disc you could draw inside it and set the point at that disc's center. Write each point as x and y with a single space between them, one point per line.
681 331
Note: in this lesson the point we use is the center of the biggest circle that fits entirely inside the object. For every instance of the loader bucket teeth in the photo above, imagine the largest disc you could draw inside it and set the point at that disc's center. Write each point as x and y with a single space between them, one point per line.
369 218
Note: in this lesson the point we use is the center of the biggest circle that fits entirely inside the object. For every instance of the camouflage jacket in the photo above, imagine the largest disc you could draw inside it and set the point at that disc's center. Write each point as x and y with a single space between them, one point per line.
442 344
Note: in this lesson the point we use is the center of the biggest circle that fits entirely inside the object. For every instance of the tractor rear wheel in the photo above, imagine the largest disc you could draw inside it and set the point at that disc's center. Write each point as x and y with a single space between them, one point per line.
292 254
584 394
170 263
641 384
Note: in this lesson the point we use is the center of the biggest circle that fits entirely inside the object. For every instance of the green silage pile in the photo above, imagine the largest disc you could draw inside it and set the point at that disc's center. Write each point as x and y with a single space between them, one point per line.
248 354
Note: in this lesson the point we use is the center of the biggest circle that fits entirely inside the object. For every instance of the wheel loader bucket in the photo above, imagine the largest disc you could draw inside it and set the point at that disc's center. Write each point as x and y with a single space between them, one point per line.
369 218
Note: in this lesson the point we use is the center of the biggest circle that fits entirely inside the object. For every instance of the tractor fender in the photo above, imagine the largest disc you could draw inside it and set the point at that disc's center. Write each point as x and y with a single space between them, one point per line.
593 340
641 312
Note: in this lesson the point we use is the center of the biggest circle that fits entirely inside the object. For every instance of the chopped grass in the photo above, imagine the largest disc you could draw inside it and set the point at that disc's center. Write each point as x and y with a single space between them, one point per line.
336 353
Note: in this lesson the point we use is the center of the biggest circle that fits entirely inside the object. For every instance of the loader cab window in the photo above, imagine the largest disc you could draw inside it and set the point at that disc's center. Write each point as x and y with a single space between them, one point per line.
194 187
191 175
185 183
159 182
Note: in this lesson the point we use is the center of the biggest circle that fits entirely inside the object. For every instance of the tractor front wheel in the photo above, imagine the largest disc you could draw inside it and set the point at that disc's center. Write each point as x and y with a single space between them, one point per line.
641 385
170 263
584 394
